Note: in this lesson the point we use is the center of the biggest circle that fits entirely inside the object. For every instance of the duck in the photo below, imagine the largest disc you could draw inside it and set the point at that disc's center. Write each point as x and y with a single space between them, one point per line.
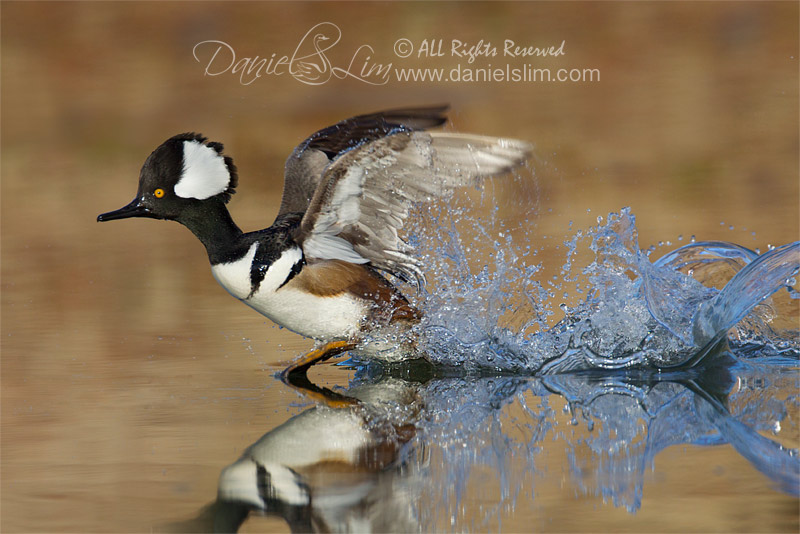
327 267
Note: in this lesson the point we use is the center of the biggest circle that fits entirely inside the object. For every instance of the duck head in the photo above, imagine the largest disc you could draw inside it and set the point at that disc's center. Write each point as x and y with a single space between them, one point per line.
185 173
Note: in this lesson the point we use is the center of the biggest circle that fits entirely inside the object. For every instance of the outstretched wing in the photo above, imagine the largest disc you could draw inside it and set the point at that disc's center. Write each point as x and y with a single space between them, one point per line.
365 194
306 165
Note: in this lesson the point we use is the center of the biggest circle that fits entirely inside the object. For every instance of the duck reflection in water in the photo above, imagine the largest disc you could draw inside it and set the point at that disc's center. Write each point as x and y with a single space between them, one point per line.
399 456
351 468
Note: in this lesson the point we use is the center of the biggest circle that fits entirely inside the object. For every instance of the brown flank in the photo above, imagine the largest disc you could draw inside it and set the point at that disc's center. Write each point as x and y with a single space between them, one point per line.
329 278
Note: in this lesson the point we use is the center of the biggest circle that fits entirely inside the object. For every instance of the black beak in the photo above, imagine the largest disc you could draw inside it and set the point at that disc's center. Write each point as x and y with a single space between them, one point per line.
134 209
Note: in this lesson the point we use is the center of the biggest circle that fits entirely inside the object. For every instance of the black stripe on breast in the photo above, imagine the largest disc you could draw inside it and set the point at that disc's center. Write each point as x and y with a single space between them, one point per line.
259 271
296 268
264 484
272 243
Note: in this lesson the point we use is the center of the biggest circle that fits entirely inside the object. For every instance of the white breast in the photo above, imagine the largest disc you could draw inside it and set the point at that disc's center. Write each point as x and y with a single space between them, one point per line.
309 315
235 276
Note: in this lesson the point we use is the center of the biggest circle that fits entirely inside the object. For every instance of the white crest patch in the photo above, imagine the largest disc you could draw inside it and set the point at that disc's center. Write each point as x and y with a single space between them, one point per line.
204 172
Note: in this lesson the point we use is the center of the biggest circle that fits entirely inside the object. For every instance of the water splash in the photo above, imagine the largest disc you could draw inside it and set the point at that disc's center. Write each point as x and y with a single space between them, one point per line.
637 313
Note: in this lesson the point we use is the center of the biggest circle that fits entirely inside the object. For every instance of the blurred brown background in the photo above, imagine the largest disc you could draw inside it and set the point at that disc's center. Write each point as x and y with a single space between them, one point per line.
129 379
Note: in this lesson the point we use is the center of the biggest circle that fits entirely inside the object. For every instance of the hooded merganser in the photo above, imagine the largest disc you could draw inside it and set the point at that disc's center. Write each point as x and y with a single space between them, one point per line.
347 190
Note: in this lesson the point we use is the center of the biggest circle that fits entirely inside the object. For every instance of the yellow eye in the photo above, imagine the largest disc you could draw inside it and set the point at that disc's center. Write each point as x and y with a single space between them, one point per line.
158 193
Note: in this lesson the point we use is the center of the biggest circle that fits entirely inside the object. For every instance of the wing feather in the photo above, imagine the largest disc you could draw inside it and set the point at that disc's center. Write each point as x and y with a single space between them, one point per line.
364 196
307 163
